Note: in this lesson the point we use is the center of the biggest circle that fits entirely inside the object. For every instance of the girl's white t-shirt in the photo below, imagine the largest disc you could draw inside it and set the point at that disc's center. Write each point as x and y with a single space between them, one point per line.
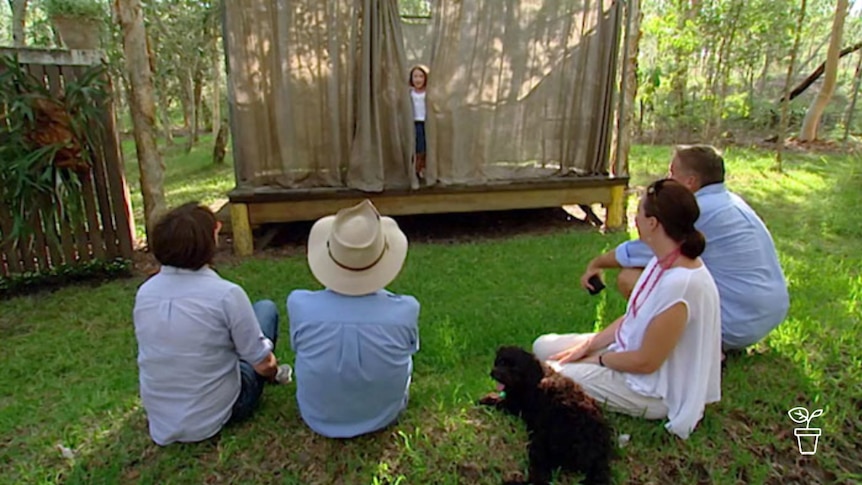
418 105
690 378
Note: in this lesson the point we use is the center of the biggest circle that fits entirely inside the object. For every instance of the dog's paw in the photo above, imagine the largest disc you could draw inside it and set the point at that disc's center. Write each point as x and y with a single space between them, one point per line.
491 399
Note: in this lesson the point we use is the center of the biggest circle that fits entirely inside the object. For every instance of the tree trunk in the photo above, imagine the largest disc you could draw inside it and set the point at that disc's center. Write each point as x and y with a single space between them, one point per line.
857 80
724 72
19 20
630 83
216 109
187 98
782 131
198 98
818 105
143 107
165 116
220 146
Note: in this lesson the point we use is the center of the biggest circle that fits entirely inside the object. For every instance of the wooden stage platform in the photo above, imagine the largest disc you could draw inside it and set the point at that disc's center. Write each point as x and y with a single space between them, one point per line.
252 207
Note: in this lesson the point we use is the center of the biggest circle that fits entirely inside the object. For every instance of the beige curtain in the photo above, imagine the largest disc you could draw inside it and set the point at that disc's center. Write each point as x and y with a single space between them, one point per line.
317 93
518 89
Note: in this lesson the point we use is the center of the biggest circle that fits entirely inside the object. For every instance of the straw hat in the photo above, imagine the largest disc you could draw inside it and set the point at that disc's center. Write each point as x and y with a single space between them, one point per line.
356 251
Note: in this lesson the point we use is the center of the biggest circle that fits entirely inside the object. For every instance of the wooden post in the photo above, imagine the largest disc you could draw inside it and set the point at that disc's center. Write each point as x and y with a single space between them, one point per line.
243 242
616 208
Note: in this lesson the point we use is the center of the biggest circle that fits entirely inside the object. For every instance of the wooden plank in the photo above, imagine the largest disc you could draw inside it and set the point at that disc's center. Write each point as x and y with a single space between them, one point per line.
51 234
13 256
37 71
103 206
94 228
55 85
118 189
58 57
616 208
268 194
422 203
67 239
40 244
83 243
243 242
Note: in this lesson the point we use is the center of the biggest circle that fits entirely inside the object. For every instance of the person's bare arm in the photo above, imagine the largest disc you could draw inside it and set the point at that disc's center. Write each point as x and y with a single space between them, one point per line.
268 367
660 338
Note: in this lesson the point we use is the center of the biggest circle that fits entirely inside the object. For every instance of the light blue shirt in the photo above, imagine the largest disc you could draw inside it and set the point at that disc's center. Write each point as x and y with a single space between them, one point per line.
192 328
741 256
353 358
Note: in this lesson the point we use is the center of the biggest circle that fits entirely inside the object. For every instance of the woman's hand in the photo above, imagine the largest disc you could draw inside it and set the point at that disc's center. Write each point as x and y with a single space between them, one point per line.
573 353
591 271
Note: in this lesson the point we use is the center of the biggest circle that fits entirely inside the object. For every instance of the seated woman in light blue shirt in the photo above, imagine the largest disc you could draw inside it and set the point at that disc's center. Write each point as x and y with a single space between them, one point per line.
204 351
354 341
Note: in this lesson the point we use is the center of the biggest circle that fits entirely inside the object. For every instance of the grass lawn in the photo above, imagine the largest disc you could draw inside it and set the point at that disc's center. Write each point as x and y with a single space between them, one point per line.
69 375
188 176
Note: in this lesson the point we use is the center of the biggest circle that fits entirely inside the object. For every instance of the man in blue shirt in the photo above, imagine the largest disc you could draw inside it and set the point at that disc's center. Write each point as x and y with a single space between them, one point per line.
740 252
354 341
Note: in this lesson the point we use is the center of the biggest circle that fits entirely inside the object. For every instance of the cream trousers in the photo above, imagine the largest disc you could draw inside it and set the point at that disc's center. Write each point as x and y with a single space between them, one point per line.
601 383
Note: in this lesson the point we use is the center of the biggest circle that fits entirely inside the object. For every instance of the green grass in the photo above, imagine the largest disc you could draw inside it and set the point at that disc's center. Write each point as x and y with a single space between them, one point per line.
189 176
69 375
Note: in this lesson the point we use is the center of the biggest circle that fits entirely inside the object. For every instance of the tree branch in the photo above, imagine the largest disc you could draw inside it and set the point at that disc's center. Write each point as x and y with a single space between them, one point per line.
801 87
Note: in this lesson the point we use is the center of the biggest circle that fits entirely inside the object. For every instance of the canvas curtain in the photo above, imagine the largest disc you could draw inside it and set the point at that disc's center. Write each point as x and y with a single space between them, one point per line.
518 89
317 93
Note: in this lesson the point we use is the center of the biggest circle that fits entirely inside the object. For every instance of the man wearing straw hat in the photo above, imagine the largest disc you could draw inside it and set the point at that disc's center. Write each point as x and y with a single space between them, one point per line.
354 341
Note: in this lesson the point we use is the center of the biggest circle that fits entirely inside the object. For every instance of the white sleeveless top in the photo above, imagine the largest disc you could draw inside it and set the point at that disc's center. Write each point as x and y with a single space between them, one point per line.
418 105
690 378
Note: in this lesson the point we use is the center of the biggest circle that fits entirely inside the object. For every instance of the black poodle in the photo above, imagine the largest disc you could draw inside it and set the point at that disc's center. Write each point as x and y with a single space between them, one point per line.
566 427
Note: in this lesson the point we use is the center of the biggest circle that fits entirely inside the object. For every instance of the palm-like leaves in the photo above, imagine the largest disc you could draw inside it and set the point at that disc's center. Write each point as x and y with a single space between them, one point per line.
29 176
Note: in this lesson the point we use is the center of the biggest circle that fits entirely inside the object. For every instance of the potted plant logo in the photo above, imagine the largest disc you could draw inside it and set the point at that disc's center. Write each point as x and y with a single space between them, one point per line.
806 437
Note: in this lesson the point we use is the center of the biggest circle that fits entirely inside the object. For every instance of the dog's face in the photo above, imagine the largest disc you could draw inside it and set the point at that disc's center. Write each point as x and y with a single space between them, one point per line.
515 368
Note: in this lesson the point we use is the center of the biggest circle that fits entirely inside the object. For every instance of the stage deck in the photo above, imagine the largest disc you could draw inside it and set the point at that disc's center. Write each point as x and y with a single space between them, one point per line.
252 207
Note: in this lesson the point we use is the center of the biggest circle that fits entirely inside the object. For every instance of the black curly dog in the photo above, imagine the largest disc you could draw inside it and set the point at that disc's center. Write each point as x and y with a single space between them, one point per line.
566 427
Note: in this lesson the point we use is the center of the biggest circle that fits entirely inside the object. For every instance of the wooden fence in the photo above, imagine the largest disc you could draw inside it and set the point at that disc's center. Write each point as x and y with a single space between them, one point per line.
106 231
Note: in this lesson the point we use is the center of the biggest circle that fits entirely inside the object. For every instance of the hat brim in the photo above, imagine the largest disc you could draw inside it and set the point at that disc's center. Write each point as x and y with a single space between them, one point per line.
349 282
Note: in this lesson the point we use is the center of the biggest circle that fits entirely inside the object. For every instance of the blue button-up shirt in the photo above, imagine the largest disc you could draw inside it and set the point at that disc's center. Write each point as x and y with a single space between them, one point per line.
192 328
741 256
353 358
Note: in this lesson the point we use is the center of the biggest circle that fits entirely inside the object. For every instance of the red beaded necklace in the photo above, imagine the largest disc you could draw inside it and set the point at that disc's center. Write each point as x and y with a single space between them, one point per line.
662 265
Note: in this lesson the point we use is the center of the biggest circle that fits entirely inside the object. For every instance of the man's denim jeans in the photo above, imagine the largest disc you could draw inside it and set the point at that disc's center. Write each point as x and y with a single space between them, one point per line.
252 382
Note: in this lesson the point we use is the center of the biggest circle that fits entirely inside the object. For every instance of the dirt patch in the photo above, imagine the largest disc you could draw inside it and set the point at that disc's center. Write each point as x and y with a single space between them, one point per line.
289 239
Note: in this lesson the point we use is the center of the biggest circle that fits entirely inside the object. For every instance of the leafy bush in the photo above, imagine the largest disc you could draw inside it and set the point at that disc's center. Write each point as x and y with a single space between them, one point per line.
74 8
46 143
29 282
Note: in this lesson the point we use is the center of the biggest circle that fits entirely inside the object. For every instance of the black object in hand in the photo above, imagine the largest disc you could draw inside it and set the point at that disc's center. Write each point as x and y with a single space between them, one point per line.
597 285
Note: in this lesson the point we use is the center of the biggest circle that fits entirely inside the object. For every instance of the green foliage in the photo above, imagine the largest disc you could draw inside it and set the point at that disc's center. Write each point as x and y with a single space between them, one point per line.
93 9
415 8
35 129
29 282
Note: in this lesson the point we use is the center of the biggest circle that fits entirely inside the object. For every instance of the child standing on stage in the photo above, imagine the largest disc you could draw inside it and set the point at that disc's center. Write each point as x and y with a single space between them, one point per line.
418 81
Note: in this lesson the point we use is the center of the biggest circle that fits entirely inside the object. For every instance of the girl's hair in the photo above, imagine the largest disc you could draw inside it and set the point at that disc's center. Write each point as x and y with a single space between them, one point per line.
676 209
183 238
421 68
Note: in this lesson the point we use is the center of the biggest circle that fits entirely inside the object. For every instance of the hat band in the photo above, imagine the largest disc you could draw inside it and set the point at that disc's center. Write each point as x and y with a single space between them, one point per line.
364 268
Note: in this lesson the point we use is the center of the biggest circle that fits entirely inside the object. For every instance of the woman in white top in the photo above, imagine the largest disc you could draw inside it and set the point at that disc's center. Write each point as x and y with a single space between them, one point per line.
662 358
418 81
